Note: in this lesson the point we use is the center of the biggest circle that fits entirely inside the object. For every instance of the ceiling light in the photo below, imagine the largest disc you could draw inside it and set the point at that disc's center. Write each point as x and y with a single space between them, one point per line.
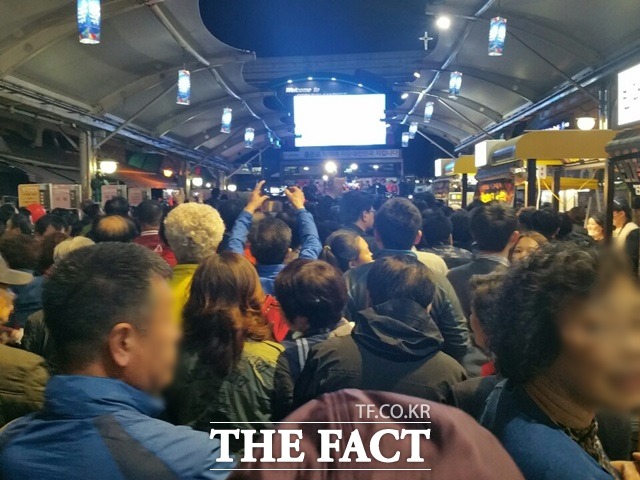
417 74
167 172
249 136
333 79
428 111
455 83
208 185
197 182
586 123
376 167
310 78
406 136
330 167
108 166
306 169
227 117
232 187
404 96
353 167
184 87
360 85
413 130
443 22
497 36
325 178
88 14
289 81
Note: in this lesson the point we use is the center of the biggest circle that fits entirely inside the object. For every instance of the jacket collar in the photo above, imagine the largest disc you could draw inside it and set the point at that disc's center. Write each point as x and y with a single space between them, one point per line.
387 252
77 396
269 271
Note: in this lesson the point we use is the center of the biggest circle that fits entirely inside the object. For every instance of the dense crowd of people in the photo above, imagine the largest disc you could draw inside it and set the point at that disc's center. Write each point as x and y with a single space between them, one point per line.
128 333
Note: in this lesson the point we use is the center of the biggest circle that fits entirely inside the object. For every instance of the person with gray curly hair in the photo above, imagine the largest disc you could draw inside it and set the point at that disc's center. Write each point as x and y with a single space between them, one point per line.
193 231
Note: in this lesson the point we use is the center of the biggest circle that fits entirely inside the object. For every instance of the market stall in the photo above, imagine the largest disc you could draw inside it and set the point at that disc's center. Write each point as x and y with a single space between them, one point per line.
553 160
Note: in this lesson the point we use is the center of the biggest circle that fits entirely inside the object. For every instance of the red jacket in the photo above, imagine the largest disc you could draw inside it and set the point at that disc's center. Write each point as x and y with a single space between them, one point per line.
151 239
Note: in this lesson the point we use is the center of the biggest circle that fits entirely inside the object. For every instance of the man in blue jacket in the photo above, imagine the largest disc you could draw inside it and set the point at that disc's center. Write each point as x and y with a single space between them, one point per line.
270 238
108 309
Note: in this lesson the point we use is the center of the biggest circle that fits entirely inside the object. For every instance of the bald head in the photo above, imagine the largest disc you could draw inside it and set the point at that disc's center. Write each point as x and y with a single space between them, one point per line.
115 228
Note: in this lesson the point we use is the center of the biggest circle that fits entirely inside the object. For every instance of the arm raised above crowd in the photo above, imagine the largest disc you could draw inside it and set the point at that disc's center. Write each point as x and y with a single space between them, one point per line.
240 231
311 246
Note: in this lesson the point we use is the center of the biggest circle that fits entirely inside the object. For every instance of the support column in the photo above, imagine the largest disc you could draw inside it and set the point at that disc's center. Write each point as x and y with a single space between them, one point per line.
465 189
532 183
87 160
609 193
557 174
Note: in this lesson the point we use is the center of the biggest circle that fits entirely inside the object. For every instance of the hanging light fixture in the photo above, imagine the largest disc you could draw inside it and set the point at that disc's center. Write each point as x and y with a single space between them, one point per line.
413 130
270 136
89 21
455 83
405 139
184 87
197 182
167 172
428 112
586 123
108 166
227 117
249 137
497 36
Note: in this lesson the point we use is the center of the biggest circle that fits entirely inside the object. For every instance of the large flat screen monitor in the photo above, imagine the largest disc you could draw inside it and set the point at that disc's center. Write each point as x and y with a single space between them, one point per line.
339 120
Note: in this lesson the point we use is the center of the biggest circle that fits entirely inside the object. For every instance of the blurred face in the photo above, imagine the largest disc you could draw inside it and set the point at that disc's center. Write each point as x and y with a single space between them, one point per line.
619 218
600 358
368 218
525 247
365 255
6 303
153 349
594 230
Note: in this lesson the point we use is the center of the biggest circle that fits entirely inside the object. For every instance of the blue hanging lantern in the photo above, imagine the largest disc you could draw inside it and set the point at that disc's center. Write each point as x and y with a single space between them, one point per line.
497 36
184 87
455 83
89 21
428 112
413 130
249 137
270 135
405 139
227 116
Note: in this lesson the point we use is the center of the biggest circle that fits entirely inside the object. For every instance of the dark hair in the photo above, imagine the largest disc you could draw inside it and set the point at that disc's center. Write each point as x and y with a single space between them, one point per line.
566 225
223 310
341 248
6 212
312 289
230 210
547 222
91 290
22 223
492 226
20 251
524 331
400 277
270 240
486 290
599 218
117 206
461 230
93 210
47 246
525 218
577 215
353 204
149 212
397 223
436 229
114 228
50 220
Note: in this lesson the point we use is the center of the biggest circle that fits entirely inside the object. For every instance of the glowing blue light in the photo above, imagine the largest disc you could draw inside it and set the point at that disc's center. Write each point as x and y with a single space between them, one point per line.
413 130
428 112
405 139
184 87
249 137
227 117
497 36
89 21
455 83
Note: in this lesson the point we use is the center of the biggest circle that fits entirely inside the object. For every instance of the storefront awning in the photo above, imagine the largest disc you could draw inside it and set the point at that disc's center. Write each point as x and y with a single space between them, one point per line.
465 164
553 144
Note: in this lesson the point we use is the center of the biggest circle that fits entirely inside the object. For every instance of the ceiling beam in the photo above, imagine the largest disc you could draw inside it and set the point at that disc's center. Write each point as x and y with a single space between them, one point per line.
239 116
480 108
45 32
194 111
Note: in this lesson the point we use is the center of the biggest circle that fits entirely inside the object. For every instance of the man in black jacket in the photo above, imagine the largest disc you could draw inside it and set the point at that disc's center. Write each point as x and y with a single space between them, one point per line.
397 230
357 215
395 345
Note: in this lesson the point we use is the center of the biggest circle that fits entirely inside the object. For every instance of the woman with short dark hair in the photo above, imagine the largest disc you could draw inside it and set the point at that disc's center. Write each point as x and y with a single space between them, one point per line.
566 334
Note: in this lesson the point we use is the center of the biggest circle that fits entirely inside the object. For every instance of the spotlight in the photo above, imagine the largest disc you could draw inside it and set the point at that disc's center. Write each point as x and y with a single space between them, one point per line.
417 74
360 85
167 172
310 78
443 22
325 178
197 182
108 166
353 167
208 185
404 96
289 81
232 187
376 167
306 169
333 79
330 167
586 123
